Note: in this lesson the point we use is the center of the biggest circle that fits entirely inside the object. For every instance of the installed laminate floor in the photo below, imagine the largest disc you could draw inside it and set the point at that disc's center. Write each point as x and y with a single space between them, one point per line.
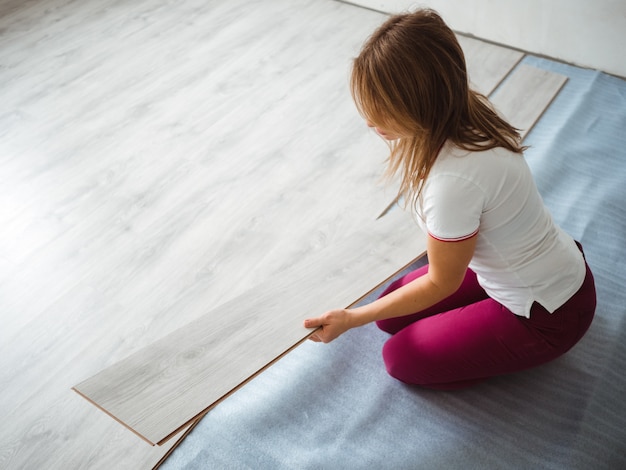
156 161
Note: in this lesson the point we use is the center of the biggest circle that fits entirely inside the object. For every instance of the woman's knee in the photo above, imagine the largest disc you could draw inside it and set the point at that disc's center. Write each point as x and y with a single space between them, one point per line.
402 363
394 363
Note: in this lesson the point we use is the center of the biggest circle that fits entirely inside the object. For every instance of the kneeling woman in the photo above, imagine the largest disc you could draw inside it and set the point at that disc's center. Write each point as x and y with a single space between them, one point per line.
505 289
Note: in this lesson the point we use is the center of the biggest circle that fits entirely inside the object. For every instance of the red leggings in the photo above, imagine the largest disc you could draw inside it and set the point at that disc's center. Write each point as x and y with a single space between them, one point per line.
469 337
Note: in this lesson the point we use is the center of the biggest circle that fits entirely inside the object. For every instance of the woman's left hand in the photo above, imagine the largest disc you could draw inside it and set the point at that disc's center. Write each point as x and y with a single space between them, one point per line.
330 325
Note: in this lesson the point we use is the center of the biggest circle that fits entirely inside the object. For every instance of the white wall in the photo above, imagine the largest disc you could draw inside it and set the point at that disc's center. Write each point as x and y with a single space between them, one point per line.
588 33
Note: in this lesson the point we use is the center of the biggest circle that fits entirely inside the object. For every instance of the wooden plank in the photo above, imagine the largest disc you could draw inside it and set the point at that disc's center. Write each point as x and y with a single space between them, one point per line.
526 94
165 386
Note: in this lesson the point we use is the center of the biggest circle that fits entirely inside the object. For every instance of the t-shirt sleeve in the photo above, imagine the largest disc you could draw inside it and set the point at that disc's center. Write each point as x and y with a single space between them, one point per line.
452 207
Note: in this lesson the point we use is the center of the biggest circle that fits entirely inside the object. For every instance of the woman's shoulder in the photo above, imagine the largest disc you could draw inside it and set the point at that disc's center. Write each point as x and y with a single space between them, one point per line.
487 169
453 158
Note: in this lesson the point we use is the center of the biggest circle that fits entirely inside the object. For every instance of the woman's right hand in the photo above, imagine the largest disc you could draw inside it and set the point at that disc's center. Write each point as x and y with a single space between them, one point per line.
330 325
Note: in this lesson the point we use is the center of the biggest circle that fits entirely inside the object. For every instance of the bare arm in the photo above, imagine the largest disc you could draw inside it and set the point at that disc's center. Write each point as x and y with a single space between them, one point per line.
448 262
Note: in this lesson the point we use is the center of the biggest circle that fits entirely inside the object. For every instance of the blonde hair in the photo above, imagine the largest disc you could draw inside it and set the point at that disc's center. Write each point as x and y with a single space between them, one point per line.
410 78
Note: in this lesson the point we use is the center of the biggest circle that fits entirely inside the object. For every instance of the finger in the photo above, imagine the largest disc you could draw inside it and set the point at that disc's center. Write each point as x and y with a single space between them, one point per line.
312 323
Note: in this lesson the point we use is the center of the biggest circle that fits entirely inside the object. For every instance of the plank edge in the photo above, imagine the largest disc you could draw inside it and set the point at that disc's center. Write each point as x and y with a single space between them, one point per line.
114 417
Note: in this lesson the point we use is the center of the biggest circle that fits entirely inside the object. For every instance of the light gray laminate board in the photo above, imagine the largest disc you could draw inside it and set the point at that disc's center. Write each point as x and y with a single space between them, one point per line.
168 384
487 64
526 94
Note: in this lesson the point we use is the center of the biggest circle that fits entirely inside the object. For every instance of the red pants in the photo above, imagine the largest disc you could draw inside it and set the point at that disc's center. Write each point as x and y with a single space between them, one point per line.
469 337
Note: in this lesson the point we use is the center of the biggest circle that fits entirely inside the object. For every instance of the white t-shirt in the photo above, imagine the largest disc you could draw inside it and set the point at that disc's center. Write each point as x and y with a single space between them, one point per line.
521 255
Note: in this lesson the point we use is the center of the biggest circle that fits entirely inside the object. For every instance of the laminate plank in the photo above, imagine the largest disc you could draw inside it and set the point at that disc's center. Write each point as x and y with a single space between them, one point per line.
167 385
526 94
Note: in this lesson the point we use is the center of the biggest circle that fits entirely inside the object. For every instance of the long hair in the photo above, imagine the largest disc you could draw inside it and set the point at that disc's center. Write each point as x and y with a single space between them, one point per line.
410 78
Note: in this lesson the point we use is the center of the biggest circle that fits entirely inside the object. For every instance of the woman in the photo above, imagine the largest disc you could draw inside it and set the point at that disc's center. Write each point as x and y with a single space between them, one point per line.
505 288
